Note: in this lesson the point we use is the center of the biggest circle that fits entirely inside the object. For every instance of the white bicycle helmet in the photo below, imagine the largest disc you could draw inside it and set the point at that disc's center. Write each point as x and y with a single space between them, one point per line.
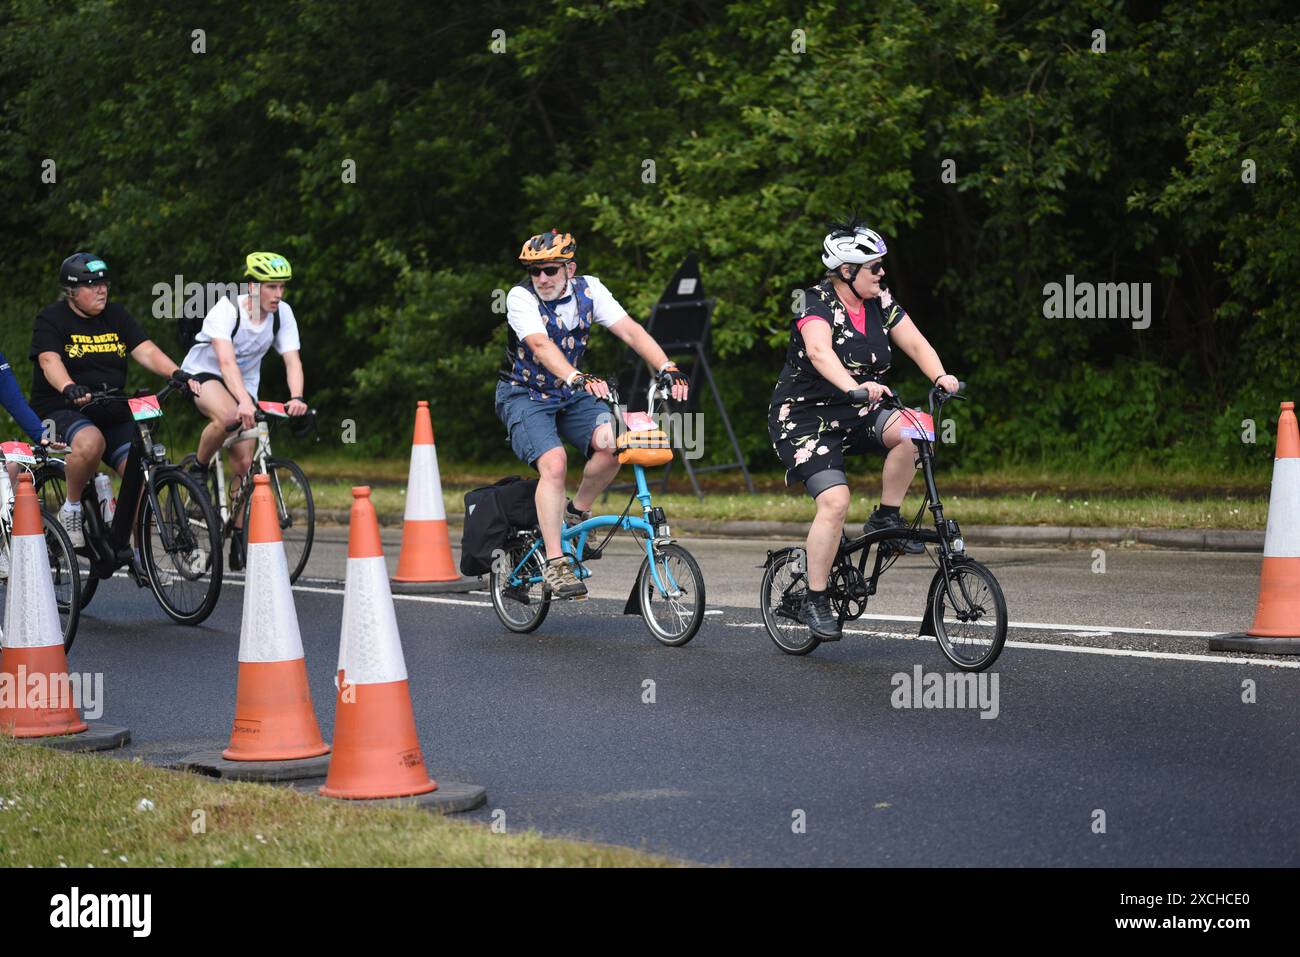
852 245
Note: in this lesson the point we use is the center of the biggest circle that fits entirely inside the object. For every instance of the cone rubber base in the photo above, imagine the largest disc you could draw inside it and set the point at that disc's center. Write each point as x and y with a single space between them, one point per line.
451 797
400 587
97 737
212 764
1255 646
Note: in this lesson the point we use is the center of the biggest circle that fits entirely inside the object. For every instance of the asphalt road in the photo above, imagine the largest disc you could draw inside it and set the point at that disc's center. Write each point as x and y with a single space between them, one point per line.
751 757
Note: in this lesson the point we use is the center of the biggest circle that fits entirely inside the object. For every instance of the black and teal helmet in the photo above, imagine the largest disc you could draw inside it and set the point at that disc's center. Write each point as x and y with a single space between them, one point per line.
82 269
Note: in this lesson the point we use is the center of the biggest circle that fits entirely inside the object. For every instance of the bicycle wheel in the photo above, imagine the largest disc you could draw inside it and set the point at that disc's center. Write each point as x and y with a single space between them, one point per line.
970 615
296 510
522 608
673 616
780 596
185 575
51 489
65 575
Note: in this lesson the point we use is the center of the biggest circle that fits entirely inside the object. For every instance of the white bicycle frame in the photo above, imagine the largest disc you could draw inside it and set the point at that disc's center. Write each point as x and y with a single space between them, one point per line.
262 433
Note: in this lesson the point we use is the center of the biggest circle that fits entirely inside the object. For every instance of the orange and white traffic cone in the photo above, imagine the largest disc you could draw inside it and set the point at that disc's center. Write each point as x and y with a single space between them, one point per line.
376 750
274 718
33 663
1277 616
426 545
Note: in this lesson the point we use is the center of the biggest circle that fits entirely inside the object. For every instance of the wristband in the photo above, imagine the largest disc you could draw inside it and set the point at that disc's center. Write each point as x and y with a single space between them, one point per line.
938 377
573 375
666 365
297 398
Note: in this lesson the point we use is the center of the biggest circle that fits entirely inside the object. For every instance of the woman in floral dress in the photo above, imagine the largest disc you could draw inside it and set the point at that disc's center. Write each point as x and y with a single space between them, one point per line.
840 342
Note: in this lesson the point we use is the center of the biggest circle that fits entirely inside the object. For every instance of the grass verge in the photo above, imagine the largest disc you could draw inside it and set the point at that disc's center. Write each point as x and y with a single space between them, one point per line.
82 811
969 508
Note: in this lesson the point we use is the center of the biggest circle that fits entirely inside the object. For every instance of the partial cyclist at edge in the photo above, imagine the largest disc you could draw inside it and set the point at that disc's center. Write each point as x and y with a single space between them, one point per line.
80 344
841 342
543 398
226 362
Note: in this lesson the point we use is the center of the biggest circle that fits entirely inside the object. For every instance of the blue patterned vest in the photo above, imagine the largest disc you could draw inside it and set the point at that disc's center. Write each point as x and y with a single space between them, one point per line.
522 369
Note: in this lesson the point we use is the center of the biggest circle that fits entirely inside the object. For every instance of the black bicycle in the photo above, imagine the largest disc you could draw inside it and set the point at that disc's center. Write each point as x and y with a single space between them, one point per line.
174 524
964 608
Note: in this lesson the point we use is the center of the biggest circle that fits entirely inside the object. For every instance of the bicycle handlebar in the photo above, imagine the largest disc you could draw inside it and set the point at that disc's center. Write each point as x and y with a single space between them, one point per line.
890 400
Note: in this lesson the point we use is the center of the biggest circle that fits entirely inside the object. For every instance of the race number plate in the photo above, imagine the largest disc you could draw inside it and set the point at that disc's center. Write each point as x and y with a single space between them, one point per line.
273 408
146 407
910 430
19 452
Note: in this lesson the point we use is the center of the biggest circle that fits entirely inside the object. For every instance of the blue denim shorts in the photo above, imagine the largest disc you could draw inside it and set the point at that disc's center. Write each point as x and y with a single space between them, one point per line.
536 427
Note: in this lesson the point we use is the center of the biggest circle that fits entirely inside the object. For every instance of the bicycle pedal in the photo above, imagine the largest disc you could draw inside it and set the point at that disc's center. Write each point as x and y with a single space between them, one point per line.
592 554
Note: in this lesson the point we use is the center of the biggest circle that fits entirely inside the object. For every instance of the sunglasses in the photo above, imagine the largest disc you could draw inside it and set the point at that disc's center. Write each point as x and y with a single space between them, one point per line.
539 270
875 268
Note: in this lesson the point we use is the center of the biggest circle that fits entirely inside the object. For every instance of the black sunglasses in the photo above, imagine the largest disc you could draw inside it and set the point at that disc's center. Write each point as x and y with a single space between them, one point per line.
538 270
875 268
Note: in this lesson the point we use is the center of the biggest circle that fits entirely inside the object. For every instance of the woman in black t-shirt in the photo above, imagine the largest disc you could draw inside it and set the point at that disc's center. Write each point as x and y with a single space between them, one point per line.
840 342
80 344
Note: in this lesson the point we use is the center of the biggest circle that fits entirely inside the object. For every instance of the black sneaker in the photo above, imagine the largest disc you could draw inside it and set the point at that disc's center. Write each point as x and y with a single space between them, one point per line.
877 521
237 551
820 617
572 516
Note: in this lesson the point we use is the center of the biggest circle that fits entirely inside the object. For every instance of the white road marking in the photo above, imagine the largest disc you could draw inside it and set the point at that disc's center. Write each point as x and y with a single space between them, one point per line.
1080 630
1031 645
1077 649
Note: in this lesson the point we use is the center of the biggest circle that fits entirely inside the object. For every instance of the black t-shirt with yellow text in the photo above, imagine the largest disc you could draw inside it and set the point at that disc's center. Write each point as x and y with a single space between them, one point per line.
94 350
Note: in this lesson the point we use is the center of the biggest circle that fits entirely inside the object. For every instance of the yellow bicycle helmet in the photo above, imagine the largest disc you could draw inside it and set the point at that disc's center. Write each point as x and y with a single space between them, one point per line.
268 267
548 247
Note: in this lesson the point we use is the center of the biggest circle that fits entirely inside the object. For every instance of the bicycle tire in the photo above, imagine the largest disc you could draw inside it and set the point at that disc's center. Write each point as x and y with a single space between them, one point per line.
651 598
777 578
297 547
181 516
51 487
57 541
539 595
955 648
66 580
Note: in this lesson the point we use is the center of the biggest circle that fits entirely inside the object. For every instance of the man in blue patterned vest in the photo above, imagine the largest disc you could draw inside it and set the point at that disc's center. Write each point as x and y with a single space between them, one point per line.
544 400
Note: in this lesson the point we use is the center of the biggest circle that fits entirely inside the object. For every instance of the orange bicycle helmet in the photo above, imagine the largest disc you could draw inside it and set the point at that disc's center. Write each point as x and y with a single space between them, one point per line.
548 247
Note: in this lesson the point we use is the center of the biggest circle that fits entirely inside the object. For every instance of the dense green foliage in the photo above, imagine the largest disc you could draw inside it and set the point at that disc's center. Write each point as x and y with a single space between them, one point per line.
763 119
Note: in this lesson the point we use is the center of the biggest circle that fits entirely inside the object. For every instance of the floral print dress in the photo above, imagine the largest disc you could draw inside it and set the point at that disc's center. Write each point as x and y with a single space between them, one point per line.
811 423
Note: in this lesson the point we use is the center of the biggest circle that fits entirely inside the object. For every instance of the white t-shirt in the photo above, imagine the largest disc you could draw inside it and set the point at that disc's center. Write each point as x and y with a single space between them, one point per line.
526 318
251 342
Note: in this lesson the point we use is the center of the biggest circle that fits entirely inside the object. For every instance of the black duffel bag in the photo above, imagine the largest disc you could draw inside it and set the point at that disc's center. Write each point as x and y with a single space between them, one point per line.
492 513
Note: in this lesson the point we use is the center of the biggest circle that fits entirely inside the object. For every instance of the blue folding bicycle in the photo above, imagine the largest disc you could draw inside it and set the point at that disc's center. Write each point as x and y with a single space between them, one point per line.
669 589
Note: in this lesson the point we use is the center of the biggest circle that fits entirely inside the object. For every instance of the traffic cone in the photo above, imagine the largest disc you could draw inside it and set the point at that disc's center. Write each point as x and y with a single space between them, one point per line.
376 750
274 719
426 545
33 663
1277 615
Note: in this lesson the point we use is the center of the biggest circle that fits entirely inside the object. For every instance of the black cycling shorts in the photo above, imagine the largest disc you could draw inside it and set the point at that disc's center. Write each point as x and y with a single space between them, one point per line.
119 430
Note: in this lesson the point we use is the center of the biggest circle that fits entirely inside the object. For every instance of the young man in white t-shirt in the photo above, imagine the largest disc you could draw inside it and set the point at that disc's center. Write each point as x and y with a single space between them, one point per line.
544 400
226 361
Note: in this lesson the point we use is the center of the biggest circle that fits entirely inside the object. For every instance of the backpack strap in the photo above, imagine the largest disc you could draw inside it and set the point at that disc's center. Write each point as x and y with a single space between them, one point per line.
275 324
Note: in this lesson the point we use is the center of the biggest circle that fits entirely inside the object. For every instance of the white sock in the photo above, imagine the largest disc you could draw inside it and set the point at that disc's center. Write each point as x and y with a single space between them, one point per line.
72 506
